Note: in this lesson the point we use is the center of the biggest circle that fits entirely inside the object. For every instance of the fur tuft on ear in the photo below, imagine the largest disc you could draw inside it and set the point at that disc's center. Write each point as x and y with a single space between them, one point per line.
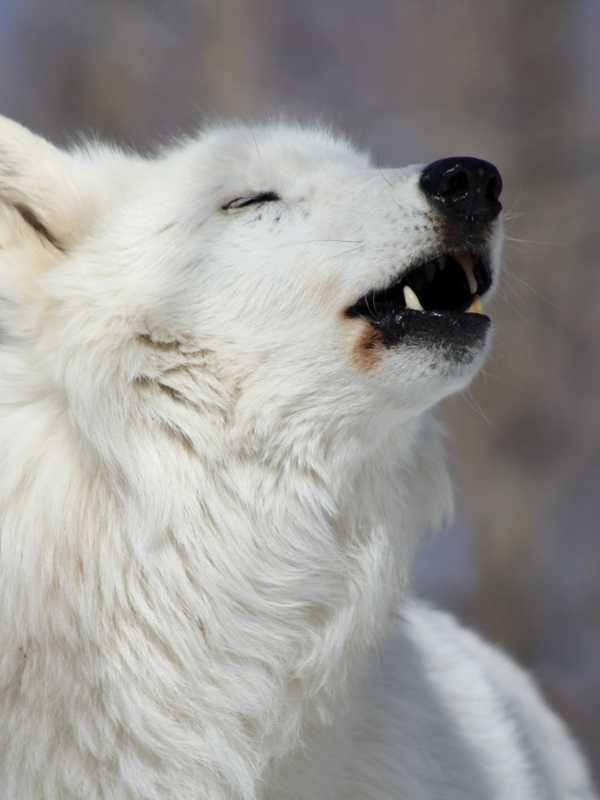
40 212
36 193
50 199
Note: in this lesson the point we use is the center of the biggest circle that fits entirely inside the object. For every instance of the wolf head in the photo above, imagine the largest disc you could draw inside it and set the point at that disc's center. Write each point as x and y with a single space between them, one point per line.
268 284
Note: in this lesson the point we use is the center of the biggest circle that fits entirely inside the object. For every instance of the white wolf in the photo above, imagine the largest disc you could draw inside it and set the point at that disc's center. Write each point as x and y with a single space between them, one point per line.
216 455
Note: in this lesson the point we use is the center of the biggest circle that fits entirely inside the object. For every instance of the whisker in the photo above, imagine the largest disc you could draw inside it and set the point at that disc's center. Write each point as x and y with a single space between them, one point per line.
391 186
474 406
536 242
510 216
253 135
346 252
512 276
322 241
487 374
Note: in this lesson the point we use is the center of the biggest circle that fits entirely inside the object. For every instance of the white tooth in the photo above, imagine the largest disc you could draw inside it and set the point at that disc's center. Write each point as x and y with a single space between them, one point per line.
471 278
411 299
475 307
466 263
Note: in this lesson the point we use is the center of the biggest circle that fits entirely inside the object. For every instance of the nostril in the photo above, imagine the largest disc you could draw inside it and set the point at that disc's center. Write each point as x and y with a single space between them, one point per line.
456 184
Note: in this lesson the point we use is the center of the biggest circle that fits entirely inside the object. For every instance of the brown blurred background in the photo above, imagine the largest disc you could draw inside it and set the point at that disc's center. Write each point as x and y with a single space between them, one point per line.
516 82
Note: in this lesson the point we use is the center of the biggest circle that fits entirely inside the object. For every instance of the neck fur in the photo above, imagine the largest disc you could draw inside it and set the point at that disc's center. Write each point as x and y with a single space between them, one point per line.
226 589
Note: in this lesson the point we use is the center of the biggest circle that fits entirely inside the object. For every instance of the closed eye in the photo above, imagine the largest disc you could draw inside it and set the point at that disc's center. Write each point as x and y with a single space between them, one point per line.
255 199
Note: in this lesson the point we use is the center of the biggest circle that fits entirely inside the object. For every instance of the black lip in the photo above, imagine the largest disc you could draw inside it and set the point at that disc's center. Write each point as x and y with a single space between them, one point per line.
459 334
445 295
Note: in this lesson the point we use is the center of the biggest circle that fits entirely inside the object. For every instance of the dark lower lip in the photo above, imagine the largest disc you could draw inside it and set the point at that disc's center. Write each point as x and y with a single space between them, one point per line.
458 334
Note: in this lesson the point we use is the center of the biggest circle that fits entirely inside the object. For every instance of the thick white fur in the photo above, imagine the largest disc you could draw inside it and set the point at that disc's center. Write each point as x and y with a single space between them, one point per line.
209 506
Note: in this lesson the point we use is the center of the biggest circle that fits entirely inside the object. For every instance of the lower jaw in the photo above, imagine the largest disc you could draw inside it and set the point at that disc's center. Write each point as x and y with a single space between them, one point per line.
456 333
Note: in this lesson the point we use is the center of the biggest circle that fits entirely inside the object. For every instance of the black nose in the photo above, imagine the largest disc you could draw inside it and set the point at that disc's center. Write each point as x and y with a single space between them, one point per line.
465 189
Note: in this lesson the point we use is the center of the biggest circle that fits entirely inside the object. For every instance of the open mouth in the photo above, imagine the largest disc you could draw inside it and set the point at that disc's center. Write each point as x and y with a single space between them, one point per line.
438 298
452 282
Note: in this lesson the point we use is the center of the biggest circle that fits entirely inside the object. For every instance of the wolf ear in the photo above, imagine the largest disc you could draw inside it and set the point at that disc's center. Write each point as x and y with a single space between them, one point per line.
38 197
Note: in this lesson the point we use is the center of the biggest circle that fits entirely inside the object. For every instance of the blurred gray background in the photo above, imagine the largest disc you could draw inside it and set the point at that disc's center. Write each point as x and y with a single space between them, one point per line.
516 82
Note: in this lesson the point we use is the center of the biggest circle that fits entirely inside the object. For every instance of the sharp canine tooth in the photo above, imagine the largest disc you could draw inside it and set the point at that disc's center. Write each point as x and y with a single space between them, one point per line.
466 263
475 307
411 299
472 280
